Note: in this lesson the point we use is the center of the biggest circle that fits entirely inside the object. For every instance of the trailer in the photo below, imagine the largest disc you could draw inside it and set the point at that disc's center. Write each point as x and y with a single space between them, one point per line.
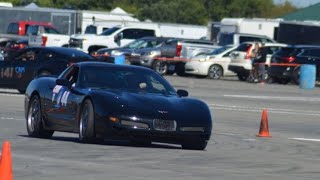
255 26
294 32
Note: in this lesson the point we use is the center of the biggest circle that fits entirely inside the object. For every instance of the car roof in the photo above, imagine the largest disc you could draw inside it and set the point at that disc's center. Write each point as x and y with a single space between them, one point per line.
268 44
118 66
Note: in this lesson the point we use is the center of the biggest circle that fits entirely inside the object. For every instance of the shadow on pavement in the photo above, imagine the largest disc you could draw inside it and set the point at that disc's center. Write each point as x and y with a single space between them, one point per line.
108 142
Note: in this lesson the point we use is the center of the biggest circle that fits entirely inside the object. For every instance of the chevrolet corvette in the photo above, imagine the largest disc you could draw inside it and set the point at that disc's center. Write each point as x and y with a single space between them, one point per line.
98 100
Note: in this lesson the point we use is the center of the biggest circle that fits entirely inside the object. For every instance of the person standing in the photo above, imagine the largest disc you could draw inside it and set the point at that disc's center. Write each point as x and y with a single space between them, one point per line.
260 63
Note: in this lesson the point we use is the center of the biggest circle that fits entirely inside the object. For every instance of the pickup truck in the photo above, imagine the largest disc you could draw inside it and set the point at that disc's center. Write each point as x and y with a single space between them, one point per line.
112 38
176 52
45 33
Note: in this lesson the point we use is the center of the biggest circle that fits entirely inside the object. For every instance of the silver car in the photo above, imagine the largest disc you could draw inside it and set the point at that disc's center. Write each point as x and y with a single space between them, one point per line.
214 65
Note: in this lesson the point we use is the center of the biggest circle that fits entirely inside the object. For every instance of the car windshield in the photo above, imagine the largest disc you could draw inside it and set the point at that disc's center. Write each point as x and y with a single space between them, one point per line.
225 39
110 31
124 79
218 51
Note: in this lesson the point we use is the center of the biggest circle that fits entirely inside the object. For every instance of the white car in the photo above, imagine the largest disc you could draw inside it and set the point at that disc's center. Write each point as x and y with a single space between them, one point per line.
213 65
241 58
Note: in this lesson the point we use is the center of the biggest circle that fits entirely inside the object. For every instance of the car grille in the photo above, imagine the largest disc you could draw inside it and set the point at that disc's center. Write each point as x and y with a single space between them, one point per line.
164 125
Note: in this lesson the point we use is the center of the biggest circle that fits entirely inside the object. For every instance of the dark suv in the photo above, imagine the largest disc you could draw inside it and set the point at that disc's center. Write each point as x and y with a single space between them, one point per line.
17 71
285 64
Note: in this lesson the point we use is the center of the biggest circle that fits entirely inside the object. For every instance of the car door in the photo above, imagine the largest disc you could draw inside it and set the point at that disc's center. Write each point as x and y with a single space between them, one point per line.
225 60
61 110
6 74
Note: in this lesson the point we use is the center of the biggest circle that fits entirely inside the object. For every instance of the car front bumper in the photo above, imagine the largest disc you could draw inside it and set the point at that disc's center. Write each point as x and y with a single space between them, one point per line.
145 129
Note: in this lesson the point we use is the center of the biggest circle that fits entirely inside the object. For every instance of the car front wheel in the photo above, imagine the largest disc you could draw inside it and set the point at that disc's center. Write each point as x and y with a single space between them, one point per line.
215 72
86 123
34 120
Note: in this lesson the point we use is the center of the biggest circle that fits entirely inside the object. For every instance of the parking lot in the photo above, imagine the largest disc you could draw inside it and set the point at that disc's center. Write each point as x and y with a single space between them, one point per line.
234 151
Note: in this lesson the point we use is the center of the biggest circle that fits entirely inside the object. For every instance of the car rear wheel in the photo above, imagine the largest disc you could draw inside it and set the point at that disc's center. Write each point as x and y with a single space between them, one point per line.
160 67
194 144
34 120
296 75
215 72
86 123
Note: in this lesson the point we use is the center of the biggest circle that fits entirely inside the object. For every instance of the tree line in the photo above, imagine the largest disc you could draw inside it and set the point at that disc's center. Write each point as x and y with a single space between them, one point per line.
177 11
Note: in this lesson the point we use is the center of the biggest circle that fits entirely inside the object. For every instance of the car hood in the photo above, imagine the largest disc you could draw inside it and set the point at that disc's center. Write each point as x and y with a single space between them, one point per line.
144 102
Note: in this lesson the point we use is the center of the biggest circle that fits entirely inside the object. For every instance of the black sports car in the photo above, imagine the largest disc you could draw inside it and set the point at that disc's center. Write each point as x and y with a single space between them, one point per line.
101 100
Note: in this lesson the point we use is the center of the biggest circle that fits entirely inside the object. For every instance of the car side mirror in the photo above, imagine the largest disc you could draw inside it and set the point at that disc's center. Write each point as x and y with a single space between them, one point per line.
64 82
182 93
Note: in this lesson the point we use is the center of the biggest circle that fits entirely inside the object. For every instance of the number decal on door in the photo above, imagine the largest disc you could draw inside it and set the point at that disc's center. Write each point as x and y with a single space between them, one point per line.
60 94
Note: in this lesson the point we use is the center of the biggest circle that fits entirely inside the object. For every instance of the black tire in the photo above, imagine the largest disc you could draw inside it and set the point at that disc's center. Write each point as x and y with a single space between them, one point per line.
196 144
296 76
160 67
242 77
180 70
215 72
86 122
34 120
282 80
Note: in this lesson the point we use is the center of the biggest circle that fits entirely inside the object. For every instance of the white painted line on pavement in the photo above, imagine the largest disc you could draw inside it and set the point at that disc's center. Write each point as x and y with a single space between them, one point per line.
11 95
305 139
272 110
11 118
308 99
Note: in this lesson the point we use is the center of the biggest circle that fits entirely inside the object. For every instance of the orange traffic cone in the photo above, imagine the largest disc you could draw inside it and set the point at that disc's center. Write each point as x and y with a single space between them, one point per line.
6 162
264 127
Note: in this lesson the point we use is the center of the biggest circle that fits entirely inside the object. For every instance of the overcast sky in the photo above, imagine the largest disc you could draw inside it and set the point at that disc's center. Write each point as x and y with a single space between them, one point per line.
299 3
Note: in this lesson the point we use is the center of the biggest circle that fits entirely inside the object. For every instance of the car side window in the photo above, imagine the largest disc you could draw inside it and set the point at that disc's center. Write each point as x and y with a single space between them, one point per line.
315 52
227 54
272 50
129 34
304 53
71 74
28 55
144 33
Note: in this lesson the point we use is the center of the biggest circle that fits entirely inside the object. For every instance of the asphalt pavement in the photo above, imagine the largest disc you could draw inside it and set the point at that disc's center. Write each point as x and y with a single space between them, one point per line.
234 152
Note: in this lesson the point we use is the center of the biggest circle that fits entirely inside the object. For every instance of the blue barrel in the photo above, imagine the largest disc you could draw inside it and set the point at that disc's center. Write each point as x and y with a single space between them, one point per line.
307 76
120 59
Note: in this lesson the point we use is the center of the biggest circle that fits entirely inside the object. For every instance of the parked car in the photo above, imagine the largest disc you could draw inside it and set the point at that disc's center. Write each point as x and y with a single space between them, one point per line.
147 57
214 64
114 37
130 50
25 65
240 58
177 51
101 100
285 63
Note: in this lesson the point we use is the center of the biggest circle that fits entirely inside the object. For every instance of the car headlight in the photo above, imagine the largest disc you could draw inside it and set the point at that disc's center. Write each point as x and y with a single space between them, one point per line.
84 40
